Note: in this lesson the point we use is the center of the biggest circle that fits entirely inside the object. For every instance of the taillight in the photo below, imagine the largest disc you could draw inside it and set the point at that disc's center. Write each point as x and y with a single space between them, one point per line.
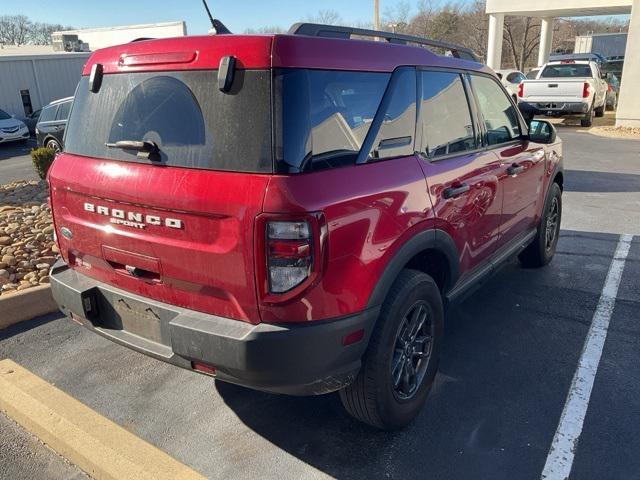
609 88
289 253
521 90
585 90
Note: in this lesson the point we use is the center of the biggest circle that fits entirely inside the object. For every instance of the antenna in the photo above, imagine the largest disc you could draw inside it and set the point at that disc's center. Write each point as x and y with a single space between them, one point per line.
206 7
217 26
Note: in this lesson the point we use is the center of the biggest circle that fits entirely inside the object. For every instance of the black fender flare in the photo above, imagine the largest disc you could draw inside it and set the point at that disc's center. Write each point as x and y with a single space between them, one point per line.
432 239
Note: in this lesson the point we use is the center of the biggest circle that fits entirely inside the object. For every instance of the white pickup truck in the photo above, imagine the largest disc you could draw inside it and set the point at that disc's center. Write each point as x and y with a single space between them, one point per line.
567 87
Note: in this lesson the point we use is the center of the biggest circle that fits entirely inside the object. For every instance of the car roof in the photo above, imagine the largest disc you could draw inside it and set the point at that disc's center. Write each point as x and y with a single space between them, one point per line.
59 101
268 51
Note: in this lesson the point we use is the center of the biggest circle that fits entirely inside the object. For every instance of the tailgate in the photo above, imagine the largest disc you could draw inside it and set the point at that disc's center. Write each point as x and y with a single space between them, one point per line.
557 89
187 233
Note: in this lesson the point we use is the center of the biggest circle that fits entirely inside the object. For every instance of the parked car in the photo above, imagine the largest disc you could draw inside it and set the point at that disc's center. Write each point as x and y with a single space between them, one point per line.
567 87
613 85
532 74
511 79
52 124
31 121
286 218
12 129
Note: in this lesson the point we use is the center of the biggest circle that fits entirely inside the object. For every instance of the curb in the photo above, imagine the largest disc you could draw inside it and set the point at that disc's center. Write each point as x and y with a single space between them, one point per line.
25 305
85 438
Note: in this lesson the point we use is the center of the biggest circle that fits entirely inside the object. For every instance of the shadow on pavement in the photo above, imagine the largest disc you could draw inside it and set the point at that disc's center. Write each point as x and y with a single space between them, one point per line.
16 149
588 181
509 356
21 327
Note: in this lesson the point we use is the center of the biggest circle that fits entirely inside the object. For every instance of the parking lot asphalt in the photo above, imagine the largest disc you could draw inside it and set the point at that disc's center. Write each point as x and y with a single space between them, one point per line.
15 161
510 354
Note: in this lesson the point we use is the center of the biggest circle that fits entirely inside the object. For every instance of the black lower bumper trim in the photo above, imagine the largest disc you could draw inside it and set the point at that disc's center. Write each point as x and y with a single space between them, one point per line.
297 358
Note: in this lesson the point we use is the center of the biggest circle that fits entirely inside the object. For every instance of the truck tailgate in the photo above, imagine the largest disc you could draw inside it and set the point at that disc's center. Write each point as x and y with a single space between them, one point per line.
556 89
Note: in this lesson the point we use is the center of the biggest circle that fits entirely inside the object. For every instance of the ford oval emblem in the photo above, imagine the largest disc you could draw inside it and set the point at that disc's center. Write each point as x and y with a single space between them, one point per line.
66 233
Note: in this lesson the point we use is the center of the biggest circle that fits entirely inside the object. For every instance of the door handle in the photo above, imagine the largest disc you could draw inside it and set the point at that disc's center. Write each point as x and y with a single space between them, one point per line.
453 192
515 169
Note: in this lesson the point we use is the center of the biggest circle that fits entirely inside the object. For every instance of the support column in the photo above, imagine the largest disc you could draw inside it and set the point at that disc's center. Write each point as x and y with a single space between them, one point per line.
628 114
546 39
494 47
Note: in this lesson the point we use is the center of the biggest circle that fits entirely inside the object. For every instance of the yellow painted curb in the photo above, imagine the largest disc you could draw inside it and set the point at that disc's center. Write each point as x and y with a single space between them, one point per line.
25 305
95 444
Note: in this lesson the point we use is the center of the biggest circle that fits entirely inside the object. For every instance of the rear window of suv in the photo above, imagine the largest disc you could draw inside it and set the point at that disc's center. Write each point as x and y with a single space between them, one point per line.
193 123
567 71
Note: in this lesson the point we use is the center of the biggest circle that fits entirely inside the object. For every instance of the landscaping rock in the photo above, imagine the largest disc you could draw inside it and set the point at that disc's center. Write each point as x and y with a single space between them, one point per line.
27 250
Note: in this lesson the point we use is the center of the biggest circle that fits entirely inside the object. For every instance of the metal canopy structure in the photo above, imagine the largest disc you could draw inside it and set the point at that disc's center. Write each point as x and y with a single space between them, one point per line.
629 104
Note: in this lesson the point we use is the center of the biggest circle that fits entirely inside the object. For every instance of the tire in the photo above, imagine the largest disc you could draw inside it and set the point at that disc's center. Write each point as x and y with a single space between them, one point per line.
53 145
587 121
541 251
600 111
374 397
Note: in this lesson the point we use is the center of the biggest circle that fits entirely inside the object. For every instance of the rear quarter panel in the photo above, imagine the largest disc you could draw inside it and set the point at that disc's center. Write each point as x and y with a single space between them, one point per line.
370 210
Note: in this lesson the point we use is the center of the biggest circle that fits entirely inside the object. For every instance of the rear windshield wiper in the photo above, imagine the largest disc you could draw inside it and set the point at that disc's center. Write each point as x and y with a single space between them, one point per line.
145 148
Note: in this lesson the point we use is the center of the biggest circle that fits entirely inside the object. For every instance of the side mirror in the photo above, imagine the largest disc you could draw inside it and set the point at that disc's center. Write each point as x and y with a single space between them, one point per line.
527 112
542 131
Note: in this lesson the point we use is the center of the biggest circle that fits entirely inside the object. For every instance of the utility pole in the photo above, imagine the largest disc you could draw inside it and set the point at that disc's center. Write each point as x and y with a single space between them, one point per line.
376 14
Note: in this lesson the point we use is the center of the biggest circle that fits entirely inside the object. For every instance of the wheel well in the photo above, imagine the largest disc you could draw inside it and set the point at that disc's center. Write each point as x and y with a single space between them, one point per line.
435 264
559 179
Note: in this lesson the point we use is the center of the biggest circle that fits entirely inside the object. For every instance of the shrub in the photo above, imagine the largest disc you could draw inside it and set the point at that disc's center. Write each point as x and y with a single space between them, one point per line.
42 159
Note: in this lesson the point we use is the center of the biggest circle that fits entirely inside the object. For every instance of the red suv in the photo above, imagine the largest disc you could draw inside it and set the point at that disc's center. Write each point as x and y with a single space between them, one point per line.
294 212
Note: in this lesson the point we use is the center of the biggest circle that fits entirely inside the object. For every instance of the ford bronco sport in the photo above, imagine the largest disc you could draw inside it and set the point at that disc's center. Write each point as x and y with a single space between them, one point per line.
293 213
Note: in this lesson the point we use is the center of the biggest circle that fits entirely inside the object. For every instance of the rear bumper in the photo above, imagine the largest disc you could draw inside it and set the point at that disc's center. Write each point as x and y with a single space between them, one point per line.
555 108
296 359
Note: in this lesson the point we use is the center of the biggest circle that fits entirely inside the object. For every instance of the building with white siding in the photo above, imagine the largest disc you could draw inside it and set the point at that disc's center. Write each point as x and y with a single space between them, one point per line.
31 77
107 36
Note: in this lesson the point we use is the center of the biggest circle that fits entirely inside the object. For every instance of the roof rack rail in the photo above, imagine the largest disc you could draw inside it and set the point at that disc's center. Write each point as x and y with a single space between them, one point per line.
334 31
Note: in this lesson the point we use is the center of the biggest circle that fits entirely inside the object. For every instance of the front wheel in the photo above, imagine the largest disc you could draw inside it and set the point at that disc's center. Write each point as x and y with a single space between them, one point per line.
543 248
600 111
55 146
401 361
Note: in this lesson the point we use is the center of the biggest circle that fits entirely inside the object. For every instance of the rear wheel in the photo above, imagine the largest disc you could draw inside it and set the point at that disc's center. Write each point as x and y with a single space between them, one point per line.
600 111
587 120
543 248
401 361
54 145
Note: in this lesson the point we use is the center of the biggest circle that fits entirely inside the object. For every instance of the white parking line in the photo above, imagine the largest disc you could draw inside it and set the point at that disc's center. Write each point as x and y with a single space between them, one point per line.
565 441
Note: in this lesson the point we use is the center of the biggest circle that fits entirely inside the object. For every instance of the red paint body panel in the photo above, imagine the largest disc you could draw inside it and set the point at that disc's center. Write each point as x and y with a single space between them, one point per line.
206 266
361 215
369 210
267 51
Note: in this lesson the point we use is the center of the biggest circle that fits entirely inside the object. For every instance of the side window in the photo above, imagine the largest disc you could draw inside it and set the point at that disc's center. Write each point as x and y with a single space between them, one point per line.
48 114
63 111
446 121
395 136
498 114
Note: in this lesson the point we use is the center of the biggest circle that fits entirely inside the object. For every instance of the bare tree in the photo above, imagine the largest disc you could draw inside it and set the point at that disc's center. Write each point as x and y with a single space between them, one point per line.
522 35
14 29
326 17
40 33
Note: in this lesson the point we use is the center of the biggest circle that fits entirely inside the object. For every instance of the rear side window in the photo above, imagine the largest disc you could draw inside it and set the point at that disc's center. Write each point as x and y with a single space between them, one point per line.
499 115
322 117
446 123
63 111
48 113
395 136
193 123
567 71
